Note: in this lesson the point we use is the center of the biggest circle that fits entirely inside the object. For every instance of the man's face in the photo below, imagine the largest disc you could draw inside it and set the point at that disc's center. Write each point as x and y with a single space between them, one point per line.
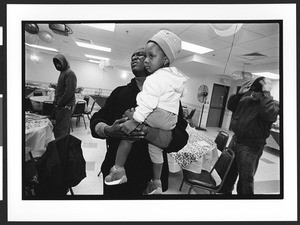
137 63
57 65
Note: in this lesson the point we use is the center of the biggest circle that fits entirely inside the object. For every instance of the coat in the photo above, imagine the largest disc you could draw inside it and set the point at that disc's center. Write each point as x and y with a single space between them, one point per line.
62 166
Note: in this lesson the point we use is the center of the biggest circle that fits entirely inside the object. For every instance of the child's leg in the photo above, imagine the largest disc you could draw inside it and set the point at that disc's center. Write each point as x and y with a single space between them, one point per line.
122 153
117 173
156 156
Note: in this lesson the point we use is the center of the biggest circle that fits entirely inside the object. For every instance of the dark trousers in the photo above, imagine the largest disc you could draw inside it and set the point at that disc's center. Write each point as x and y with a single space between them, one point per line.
62 121
244 166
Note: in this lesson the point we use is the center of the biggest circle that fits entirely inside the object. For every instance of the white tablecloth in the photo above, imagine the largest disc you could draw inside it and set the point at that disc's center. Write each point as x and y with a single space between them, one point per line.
199 153
37 101
38 133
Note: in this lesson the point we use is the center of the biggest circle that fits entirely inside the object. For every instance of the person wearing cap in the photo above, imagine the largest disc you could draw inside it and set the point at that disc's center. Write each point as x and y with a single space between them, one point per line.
253 112
107 123
158 105
64 99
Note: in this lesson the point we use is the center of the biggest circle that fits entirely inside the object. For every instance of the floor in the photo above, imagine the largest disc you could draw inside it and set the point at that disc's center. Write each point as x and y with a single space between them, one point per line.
266 179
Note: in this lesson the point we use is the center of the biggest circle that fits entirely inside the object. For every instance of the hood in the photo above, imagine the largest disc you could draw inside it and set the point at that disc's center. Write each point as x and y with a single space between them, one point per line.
63 62
179 78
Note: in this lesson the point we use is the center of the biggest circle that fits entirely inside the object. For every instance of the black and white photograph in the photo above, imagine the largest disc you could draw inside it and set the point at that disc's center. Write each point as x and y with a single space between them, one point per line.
151 107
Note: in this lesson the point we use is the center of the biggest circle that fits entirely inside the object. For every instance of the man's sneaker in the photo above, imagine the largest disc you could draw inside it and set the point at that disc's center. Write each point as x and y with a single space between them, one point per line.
116 176
153 188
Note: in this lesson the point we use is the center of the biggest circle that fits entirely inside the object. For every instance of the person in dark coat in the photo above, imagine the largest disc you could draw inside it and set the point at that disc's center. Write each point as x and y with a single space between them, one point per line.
107 124
64 100
254 112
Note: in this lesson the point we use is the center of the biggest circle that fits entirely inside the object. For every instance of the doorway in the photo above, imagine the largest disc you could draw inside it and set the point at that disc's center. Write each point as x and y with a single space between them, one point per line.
217 105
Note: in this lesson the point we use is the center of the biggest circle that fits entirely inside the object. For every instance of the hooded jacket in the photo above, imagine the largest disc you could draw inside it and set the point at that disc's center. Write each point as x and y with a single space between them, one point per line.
66 84
163 89
252 118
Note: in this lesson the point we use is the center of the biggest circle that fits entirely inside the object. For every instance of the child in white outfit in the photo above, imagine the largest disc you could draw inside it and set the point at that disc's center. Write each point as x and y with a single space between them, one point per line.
158 104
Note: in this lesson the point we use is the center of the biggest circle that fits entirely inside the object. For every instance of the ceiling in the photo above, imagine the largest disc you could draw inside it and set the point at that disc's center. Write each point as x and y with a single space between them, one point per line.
253 48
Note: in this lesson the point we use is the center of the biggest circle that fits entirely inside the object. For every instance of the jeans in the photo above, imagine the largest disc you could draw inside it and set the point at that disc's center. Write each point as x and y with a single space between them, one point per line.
244 166
62 121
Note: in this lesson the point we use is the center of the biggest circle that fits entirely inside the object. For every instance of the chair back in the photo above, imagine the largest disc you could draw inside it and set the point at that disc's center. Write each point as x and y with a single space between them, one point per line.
86 99
190 116
221 140
48 108
79 108
223 163
28 105
37 93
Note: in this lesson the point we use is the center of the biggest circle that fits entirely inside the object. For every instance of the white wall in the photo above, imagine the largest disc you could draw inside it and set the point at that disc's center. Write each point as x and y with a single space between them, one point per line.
89 75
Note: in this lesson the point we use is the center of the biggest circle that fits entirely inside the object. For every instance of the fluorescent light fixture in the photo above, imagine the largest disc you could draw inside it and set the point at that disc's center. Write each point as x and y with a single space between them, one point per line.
103 26
42 47
96 57
94 61
195 48
96 47
268 75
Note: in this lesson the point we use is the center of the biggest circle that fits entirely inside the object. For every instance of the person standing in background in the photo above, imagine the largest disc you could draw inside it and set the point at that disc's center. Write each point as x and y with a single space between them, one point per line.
64 100
253 113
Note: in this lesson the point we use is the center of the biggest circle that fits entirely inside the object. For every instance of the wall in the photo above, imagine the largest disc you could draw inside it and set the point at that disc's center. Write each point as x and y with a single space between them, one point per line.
89 75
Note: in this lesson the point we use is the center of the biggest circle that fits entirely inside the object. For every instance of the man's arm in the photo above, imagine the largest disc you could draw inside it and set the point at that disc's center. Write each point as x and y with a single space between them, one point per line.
71 83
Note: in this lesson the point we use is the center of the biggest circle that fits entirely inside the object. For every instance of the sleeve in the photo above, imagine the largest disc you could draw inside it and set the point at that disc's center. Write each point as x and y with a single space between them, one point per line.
71 83
234 101
103 116
148 98
269 109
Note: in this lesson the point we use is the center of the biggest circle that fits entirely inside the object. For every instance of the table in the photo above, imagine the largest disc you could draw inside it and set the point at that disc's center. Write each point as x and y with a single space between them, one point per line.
37 101
199 153
38 133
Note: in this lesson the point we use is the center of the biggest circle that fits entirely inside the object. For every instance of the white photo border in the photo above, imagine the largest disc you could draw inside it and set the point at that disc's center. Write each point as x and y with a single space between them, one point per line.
138 210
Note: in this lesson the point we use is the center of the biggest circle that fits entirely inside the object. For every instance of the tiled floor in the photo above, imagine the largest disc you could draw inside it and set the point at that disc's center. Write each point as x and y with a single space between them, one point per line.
266 178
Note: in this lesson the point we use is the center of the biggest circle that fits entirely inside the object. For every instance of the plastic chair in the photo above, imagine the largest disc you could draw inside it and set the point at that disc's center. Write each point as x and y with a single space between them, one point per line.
37 93
48 108
190 116
28 105
221 140
78 112
88 113
205 179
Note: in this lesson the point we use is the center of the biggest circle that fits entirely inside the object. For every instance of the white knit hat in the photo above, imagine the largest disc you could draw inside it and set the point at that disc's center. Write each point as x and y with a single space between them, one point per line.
169 42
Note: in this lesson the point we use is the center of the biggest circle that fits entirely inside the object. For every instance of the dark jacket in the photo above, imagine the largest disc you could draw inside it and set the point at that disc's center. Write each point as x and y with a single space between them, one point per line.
66 84
60 167
252 117
138 165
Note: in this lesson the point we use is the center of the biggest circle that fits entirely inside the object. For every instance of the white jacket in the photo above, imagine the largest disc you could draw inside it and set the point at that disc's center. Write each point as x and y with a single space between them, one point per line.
162 89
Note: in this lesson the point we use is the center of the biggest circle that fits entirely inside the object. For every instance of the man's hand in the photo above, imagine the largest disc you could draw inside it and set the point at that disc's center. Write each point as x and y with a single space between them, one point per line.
115 130
266 85
129 113
129 126
245 87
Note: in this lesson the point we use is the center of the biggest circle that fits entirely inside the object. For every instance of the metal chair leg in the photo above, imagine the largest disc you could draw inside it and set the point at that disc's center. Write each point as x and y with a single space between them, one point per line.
190 190
84 121
181 184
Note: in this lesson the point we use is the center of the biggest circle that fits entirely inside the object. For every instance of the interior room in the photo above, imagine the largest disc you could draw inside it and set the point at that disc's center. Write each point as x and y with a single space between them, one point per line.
217 57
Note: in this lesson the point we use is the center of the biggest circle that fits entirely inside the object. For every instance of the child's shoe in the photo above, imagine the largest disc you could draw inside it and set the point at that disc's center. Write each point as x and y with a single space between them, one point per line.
153 188
116 176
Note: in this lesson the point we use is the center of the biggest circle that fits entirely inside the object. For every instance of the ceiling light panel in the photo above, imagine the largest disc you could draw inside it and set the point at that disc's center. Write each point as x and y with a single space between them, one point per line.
103 26
195 48
42 47
96 57
91 46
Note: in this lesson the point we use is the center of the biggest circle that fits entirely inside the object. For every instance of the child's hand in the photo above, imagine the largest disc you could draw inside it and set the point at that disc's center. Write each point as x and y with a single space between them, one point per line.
129 113
129 126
